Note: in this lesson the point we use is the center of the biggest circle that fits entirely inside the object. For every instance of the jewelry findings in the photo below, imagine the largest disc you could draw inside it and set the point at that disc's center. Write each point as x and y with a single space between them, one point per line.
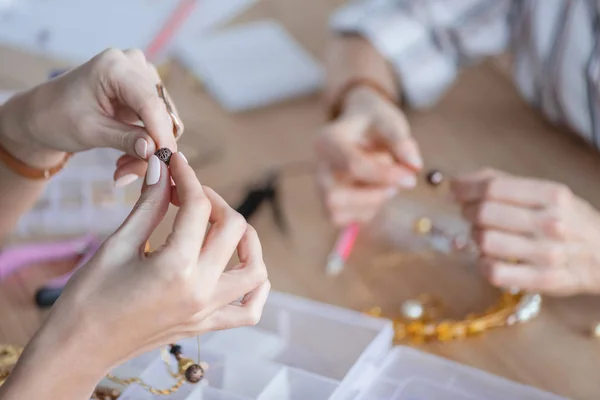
419 318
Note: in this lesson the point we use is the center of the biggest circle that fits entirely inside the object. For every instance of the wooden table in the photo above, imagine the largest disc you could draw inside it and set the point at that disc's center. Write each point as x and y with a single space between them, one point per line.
481 122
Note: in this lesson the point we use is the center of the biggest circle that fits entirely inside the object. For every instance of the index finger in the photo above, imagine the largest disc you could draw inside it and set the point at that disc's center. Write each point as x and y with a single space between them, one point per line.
525 192
139 92
192 218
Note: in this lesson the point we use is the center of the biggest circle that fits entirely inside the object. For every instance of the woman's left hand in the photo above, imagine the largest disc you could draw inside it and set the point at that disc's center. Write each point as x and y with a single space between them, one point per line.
533 234
101 103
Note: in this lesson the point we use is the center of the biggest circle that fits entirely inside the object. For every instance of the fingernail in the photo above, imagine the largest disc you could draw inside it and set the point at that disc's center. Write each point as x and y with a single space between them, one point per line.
153 173
409 181
414 160
184 159
391 192
126 180
503 275
141 148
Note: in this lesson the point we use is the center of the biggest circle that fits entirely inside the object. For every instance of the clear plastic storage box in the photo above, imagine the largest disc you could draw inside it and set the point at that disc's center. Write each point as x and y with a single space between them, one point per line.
305 350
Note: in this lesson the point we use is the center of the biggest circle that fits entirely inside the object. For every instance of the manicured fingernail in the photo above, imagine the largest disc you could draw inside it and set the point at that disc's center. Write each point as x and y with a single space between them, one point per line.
153 173
414 160
184 159
126 180
141 148
408 182
503 275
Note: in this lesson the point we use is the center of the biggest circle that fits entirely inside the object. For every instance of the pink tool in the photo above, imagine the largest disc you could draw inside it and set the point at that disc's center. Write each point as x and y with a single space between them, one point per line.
342 249
22 256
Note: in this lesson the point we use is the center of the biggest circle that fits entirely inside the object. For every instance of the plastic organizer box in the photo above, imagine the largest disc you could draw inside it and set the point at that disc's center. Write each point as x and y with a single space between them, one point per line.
304 350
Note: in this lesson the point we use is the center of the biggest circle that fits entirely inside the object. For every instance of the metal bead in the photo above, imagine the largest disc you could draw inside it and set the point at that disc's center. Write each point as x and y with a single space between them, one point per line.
175 349
194 373
412 309
164 155
435 177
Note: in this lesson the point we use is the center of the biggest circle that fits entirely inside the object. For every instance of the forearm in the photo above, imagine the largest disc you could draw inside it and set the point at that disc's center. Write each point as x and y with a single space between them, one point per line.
19 194
350 57
61 362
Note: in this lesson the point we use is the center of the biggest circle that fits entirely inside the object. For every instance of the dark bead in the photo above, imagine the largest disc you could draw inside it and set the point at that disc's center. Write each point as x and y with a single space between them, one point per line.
194 373
164 155
175 349
435 177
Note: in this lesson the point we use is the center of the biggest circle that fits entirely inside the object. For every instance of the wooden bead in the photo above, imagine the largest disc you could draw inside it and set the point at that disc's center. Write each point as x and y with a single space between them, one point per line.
435 177
194 373
164 155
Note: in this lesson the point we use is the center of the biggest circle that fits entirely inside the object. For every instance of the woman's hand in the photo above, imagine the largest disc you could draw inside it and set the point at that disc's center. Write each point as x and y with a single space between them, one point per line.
533 234
367 155
124 302
98 104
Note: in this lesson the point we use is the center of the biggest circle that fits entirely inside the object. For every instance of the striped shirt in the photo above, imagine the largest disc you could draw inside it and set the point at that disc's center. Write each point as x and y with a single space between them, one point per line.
555 47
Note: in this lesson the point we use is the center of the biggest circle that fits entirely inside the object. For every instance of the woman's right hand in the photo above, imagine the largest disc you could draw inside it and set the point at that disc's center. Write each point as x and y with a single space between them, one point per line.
366 156
124 302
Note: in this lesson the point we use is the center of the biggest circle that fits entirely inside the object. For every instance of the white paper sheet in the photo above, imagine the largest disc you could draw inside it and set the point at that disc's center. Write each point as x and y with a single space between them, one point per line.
251 66
75 30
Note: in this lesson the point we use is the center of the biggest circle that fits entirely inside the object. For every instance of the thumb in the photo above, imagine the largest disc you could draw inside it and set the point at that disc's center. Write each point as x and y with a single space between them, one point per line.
130 139
150 208
394 130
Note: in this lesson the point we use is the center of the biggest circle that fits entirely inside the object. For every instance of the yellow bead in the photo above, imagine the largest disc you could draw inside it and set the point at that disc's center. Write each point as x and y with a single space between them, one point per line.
375 312
423 225
459 331
444 331
415 328
399 331
475 327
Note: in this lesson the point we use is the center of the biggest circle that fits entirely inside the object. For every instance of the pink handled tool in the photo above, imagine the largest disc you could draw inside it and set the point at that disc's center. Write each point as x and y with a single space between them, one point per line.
342 249
20 257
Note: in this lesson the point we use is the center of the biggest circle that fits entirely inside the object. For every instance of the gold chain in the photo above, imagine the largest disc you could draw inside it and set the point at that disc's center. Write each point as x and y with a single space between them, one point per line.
138 381
9 355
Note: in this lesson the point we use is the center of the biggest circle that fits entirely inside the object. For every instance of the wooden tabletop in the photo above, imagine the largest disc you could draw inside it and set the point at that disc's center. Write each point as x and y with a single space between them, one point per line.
481 122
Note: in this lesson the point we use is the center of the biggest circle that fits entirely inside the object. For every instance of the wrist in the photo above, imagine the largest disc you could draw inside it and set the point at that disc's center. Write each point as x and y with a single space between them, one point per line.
17 136
360 93
63 360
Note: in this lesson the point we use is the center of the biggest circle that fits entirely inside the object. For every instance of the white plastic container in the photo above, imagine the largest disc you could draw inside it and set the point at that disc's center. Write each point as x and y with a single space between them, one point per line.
305 350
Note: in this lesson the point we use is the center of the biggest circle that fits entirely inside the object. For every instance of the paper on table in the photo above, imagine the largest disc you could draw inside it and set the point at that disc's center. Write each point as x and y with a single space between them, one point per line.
251 66
76 30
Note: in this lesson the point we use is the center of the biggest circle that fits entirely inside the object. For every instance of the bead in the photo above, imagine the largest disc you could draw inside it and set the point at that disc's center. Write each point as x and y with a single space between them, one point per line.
596 331
423 225
375 312
412 309
175 349
164 155
444 331
429 329
194 373
475 327
435 177
399 331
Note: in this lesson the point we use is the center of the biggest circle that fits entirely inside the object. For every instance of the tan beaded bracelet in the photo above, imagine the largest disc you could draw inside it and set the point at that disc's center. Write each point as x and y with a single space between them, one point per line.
27 171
